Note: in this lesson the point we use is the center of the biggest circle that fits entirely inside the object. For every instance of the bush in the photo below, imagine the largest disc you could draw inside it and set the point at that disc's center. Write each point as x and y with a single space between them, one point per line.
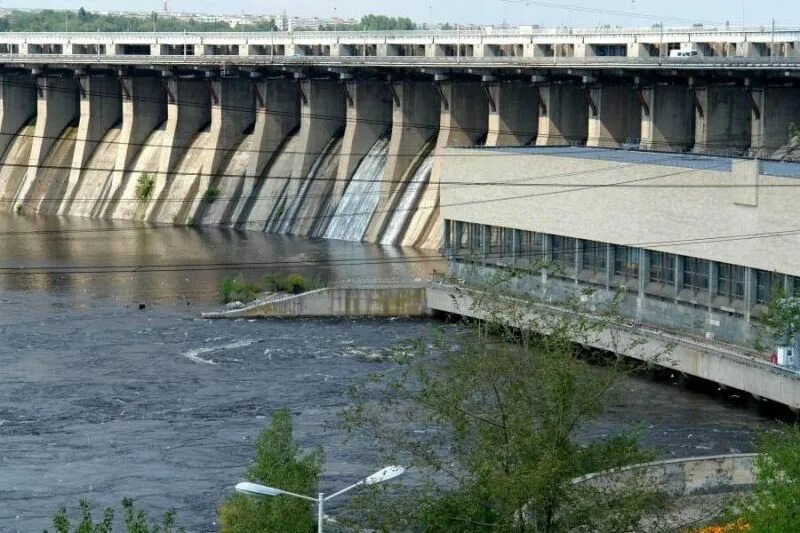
145 186
212 194
238 289
278 463
136 521
296 284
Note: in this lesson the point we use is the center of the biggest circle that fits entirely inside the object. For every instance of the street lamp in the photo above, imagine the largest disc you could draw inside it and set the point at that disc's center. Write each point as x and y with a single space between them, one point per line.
254 489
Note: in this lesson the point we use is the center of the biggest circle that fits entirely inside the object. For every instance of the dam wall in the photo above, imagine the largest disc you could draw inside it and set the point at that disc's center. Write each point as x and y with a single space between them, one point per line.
280 150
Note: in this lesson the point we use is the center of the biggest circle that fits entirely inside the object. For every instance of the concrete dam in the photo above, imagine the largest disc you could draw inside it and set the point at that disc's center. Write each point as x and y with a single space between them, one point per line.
311 157
312 135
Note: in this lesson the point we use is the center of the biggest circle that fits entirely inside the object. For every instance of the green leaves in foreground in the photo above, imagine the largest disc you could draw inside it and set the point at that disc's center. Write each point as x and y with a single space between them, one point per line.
278 463
135 521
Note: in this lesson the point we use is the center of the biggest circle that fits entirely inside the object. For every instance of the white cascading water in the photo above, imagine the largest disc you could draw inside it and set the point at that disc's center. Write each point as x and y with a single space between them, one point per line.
408 202
290 214
360 199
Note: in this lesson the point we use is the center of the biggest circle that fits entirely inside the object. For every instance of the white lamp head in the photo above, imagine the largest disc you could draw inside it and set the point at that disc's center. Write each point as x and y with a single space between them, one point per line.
253 489
385 474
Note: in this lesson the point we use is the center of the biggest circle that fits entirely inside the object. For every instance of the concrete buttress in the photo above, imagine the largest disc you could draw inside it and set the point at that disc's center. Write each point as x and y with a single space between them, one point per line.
563 115
513 114
615 116
667 118
17 106
100 109
416 111
722 120
188 110
277 115
464 121
774 112
57 107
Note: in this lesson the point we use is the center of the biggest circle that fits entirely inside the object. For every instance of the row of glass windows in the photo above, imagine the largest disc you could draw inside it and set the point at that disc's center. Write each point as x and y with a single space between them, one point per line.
504 245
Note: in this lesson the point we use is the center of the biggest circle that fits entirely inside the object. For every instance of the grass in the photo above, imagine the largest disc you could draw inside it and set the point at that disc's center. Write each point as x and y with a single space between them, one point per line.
241 290
145 186
212 194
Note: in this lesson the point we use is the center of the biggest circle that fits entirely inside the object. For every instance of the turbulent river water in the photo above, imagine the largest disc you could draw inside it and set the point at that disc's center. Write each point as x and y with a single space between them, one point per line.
101 400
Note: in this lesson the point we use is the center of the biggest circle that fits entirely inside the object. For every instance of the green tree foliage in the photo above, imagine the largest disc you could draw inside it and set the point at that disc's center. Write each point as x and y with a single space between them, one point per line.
86 21
278 463
780 321
374 23
491 417
238 289
135 520
773 506
145 185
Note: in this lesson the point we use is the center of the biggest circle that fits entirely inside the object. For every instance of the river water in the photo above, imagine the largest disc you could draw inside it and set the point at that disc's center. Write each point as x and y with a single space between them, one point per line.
101 400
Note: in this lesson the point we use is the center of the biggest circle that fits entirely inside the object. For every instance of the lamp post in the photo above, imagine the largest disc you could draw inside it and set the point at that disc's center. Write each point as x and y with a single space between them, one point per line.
254 489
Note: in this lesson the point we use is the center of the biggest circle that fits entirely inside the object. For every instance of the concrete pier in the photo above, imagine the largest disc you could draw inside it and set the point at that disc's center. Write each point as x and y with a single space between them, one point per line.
277 115
513 114
56 108
322 115
415 121
188 110
615 116
667 118
722 120
369 116
563 115
774 111
100 109
232 113
463 122
17 106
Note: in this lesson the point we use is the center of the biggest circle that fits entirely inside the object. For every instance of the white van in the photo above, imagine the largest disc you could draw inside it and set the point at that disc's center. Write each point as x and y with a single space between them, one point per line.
683 53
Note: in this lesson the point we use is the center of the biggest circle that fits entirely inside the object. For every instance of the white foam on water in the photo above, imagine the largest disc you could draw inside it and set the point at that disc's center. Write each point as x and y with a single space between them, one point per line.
194 354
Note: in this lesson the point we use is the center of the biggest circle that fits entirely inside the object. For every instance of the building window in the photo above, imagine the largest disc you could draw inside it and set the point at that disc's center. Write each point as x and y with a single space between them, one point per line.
730 281
767 284
563 252
530 247
662 268
594 256
626 262
695 274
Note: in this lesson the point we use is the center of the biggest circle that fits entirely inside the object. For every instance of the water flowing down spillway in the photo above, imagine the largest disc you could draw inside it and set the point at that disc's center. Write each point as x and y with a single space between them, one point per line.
360 199
294 203
408 202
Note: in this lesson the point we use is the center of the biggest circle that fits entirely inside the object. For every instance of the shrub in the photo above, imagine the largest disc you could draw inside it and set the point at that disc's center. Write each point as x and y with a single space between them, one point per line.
278 463
136 521
272 283
238 289
296 284
212 194
145 186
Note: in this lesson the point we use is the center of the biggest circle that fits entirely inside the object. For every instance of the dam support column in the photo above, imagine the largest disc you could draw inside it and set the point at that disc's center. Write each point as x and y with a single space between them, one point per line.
369 117
17 106
416 111
188 110
615 117
57 107
563 115
774 111
277 115
322 115
722 120
667 118
513 114
144 108
232 113
464 121
100 109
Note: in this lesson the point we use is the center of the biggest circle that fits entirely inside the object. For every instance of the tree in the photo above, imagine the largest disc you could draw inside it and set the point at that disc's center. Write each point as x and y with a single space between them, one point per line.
136 521
490 416
278 463
773 506
779 323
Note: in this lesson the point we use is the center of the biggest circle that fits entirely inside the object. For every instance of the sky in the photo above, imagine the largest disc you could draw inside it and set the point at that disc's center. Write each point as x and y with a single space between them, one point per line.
579 13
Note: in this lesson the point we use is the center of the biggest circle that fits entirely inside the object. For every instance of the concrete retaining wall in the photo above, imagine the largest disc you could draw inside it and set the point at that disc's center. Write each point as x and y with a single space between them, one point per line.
685 476
339 302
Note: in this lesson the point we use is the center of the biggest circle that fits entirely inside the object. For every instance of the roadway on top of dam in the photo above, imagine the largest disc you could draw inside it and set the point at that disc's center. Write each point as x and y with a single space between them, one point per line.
518 65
